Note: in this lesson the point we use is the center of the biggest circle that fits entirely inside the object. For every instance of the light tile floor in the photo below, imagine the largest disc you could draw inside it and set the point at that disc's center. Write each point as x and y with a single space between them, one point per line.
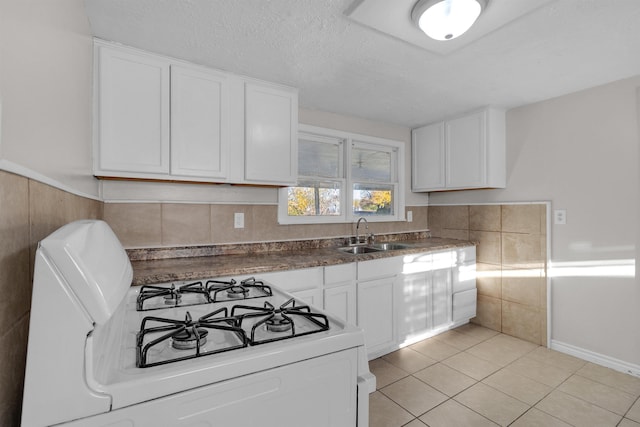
473 376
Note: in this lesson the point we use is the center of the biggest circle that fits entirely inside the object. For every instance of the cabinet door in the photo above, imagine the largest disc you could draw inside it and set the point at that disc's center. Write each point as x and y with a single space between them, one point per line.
271 140
199 123
413 307
428 158
341 301
466 151
441 297
133 113
310 296
376 315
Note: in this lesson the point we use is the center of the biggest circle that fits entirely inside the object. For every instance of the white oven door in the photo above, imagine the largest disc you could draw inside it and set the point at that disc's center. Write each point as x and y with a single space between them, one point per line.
319 392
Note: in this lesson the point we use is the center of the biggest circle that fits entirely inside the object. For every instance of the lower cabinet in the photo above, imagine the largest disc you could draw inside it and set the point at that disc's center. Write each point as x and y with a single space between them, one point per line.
340 291
464 286
402 300
396 300
424 296
376 314
378 281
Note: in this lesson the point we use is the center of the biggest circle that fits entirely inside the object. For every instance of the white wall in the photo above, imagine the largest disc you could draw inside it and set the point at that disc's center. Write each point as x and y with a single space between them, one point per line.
45 87
580 152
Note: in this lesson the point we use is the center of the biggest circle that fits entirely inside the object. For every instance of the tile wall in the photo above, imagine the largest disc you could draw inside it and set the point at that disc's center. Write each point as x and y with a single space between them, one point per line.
167 224
511 254
511 263
29 211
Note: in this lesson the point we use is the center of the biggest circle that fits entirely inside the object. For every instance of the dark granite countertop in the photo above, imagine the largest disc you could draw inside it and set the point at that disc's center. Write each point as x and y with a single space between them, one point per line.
176 264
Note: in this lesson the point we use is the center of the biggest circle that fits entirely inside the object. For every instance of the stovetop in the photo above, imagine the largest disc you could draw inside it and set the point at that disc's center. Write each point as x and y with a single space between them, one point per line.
116 355
179 321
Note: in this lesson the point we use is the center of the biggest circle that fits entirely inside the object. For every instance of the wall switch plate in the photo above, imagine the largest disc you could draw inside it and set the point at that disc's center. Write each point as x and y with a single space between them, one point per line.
238 220
409 216
560 216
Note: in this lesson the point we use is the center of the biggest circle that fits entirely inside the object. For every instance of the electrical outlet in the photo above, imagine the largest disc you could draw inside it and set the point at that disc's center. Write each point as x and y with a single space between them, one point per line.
238 220
560 216
409 216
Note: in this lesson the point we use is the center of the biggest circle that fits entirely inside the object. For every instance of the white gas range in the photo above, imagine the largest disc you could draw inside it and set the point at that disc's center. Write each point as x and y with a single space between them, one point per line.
200 353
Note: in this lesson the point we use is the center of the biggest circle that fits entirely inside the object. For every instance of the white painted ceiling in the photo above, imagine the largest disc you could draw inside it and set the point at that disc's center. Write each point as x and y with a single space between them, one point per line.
345 66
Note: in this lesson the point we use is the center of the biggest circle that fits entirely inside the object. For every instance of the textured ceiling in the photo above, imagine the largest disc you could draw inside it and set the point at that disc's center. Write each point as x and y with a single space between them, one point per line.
342 66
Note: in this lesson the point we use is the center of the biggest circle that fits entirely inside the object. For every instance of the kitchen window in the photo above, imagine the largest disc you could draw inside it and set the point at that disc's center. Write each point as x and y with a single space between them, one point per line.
343 176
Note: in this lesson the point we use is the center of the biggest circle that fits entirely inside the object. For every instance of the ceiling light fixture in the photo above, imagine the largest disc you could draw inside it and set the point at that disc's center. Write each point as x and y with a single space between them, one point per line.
446 19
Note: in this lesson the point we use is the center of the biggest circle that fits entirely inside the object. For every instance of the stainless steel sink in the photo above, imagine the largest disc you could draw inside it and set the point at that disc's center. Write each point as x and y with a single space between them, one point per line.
358 249
389 246
378 247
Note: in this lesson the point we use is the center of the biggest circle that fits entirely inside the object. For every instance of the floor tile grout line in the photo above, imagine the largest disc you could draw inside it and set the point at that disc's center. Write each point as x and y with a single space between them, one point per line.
446 400
466 388
450 397
513 397
538 409
600 382
474 411
391 383
457 394
575 397
637 401
591 403
572 372
459 403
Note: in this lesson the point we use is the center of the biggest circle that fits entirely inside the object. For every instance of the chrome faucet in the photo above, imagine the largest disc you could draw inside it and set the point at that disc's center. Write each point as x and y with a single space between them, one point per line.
358 228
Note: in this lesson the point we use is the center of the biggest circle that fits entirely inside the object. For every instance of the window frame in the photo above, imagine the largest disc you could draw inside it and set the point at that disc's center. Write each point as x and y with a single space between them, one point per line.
394 172
349 141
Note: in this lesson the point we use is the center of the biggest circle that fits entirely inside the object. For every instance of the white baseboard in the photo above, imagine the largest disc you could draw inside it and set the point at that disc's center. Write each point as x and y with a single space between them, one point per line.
597 358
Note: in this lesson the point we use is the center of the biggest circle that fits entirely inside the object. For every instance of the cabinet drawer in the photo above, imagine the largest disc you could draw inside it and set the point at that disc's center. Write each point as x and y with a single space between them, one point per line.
294 280
467 254
378 268
339 273
464 305
464 277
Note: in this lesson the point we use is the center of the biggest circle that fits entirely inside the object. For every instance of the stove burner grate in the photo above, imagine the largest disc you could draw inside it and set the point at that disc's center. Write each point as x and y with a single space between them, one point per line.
153 297
281 319
247 289
185 334
172 296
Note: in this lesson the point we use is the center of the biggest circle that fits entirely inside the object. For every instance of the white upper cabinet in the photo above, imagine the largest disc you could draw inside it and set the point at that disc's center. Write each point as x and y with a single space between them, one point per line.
427 157
132 114
271 125
199 123
462 153
161 118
